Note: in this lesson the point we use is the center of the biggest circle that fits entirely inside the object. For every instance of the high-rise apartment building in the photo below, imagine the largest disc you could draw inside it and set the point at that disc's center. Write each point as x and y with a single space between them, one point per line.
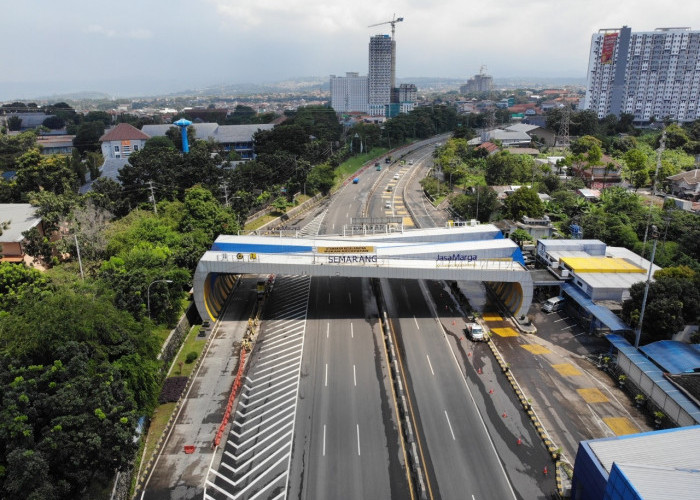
478 83
649 74
349 93
382 73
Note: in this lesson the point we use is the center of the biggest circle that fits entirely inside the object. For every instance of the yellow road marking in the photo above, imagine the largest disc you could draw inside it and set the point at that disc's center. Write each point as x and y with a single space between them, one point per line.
505 332
592 395
621 425
536 349
567 370
492 317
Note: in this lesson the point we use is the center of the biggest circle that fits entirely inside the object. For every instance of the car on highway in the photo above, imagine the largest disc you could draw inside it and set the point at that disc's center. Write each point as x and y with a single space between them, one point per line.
356 180
476 332
410 162
387 205
390 188
396 176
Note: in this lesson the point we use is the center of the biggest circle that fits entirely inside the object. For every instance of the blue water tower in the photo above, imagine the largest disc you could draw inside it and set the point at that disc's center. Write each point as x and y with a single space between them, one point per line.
183 124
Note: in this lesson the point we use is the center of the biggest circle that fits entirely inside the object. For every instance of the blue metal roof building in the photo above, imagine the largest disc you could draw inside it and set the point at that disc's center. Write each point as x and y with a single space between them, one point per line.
655 465
673 356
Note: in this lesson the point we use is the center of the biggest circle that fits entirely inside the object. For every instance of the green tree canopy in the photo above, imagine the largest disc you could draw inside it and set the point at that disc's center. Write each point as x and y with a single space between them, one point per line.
523 202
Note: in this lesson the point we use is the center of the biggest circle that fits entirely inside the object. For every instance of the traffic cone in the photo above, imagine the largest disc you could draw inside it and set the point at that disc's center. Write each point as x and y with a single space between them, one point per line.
520 441
469 353
453 323
491 391
479 371
504 415
545 471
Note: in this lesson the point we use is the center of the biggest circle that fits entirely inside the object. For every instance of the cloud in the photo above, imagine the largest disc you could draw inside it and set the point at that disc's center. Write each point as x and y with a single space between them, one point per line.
135 34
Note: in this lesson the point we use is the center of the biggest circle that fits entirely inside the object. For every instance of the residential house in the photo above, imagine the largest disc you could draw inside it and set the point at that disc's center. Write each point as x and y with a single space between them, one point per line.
543 135
686 184
536 227
591 195
608 173
506 137
56 144
15 219
122 140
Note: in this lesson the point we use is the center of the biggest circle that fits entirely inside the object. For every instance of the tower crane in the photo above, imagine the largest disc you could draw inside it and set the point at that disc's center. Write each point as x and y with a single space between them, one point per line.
393 22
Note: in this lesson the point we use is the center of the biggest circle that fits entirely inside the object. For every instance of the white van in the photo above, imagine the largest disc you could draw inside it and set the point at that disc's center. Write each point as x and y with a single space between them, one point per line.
553 304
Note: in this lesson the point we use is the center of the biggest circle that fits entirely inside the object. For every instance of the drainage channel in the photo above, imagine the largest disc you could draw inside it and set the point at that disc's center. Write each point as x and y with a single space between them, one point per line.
257 455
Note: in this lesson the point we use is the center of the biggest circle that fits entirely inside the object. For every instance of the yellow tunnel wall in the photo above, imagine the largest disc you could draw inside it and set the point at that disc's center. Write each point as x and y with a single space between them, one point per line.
511 294
216 290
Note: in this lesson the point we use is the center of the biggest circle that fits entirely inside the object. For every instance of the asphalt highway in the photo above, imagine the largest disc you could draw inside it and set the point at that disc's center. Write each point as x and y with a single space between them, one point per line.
346 443
463 462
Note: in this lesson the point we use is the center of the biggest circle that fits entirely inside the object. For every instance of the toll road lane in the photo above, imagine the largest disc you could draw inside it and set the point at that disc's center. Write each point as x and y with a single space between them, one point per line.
346 444
461 456
515 438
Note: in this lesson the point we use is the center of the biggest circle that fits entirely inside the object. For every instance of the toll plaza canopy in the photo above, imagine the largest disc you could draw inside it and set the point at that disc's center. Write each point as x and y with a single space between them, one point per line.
463 253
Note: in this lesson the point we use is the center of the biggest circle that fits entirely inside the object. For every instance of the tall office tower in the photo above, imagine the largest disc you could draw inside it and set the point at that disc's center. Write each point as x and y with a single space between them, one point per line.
479 83
382 72
649 74
349 93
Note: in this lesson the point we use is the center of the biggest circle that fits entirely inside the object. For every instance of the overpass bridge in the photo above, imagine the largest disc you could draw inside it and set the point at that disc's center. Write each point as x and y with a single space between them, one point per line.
464 253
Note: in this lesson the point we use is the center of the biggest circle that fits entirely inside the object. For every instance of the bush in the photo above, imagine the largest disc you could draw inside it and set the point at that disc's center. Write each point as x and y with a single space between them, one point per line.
191 356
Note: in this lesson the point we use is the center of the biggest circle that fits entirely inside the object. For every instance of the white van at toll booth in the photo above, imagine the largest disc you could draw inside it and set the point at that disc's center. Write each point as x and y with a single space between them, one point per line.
553 304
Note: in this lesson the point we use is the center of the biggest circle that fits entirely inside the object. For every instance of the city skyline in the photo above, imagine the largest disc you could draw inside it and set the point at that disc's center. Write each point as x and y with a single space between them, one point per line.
162 47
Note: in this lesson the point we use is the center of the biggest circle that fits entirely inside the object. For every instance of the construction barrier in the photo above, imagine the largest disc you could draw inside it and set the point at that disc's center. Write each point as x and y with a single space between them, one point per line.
231 398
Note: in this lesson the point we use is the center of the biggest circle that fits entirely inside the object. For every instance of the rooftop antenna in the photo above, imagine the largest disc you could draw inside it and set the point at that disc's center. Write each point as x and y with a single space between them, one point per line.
393 22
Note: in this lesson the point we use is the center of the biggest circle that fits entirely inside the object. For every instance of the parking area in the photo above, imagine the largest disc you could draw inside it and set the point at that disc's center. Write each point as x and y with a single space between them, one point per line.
574 400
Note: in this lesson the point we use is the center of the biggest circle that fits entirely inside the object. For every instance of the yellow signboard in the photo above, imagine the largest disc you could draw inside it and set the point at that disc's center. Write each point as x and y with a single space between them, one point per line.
345 249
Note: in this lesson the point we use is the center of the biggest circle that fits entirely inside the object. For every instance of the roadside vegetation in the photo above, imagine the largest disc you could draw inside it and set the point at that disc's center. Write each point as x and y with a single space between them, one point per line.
78 348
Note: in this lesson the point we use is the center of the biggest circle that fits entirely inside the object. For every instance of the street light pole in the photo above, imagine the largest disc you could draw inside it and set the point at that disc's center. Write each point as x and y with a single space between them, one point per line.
148 294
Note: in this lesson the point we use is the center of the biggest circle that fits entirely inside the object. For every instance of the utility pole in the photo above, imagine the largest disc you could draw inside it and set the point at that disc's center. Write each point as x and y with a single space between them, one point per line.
80 262
638 331
478 190
225 188
153 197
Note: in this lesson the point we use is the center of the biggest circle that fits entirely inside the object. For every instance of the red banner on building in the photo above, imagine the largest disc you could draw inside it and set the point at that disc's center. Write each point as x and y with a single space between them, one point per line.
606 54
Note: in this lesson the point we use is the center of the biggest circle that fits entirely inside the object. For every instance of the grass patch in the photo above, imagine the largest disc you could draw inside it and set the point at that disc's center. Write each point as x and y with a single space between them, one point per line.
161 332
259 222
159 420
353 164
192 344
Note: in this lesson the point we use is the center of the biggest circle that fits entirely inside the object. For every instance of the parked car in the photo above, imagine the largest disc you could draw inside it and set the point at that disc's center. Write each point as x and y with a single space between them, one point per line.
553 304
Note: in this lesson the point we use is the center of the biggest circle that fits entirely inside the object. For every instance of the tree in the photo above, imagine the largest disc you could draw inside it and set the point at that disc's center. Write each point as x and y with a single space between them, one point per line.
483 201
14 123
54 122
673 301
18 283
523 202
321 178
506 168
49 173
87 137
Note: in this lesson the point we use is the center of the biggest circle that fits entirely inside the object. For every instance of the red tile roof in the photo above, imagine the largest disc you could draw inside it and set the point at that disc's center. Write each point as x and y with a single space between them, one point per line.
124 132
490 147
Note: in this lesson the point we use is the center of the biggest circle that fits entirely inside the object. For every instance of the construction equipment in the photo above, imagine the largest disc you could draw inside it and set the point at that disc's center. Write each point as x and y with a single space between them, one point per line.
393 22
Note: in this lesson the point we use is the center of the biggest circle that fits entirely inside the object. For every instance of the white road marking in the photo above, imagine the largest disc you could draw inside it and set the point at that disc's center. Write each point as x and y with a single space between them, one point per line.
349 297
324 440
328 329
329 297
450 425
558 320
358 439
417 327
354 375
566 328
352 331
326 374
430 364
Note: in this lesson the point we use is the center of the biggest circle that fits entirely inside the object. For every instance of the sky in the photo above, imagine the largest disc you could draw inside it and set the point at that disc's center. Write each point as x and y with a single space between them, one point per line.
146 47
